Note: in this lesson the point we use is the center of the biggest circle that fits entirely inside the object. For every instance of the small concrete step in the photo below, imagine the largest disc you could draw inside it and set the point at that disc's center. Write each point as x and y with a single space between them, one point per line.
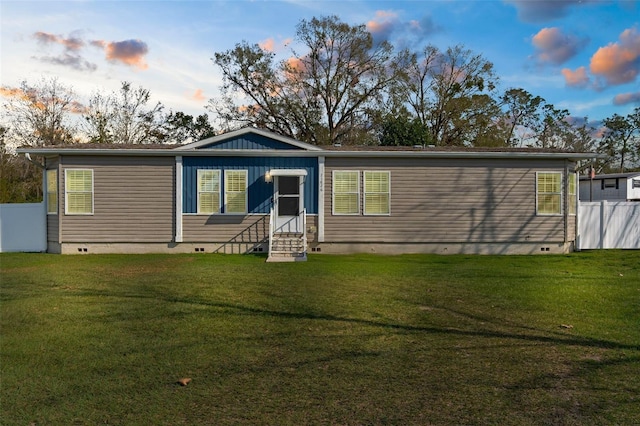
279 257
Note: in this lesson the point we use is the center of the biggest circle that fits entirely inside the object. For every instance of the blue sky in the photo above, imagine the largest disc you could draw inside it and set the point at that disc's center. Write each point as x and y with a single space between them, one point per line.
582 55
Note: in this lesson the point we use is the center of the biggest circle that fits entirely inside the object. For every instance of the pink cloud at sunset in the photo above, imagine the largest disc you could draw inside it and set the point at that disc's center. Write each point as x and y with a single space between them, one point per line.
295 64
128 52
555 47
577 78
33 99
383 24
12 92
626 98
198 95
270 44
71 43
618 63
101 44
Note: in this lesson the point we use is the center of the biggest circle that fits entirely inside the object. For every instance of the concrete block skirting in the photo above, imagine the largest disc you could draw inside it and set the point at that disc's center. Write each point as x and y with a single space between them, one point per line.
142 248
444 248
317 248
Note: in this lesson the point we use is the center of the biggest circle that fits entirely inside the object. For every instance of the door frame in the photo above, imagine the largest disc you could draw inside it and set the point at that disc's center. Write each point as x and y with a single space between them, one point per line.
285 223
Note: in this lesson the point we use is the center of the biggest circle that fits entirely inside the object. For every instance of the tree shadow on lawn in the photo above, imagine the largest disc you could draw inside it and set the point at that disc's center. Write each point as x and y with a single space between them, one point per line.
558 339
562 384
572 402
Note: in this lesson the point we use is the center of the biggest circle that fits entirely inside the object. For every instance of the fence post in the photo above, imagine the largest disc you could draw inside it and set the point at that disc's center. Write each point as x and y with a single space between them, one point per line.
603 227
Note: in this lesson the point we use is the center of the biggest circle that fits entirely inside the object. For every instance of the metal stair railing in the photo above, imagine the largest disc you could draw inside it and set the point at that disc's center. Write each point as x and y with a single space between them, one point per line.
271 225
304 231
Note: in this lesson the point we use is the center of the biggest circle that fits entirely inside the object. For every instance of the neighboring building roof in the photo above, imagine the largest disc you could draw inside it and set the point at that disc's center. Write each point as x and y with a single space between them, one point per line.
612 176
200 148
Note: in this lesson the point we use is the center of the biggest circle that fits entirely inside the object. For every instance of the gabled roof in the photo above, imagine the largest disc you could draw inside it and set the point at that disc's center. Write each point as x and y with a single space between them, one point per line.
221 139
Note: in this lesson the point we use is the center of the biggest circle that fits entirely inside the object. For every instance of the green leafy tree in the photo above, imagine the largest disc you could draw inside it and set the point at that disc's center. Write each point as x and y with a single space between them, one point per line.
403 130
551 128
451 93
20 180
521 109
621 142
528 120
322 95
180 127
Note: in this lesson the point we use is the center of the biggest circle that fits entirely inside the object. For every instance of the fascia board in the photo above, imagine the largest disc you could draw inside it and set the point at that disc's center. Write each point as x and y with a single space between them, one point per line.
328 154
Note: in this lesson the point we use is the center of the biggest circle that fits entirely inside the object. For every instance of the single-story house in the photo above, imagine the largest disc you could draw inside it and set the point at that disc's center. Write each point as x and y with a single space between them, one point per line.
610 187
255 191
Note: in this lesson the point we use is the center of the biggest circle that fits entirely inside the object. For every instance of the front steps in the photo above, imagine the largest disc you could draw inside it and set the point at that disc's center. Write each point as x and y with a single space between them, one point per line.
287 247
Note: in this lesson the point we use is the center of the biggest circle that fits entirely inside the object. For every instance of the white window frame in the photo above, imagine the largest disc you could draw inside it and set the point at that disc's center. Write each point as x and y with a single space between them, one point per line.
66 193
199 173
246 191
559 194
49 192
333 193
573 196
365 193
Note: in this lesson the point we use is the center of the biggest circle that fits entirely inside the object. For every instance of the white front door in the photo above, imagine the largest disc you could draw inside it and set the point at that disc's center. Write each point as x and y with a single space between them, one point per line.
288 204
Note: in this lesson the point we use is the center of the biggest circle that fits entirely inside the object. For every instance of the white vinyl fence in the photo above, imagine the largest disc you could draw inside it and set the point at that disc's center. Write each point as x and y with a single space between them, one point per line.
609 224
23 227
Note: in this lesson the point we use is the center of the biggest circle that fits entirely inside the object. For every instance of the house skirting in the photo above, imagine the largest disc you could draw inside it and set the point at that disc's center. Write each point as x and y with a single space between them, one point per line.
320 248
142 248
443 248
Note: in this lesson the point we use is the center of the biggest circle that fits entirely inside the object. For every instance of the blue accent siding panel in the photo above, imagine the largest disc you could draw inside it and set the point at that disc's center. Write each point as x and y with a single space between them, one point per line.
250 141
260 192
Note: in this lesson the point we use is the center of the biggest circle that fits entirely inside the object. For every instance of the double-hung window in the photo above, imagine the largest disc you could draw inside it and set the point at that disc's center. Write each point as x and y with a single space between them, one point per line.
78 191
52 191
377 191
209 193
235 191
346 192
573 194
548 193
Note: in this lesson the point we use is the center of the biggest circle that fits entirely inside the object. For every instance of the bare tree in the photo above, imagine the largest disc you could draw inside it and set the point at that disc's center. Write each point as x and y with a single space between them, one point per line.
98 119
40 114
124 117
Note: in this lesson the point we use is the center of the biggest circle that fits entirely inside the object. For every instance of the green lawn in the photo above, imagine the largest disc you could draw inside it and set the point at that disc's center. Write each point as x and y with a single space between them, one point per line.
338 340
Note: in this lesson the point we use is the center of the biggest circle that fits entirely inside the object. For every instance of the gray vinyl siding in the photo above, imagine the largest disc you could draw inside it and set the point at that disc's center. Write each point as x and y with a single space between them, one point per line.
52 228
231 228
53 220
134 200
449 201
